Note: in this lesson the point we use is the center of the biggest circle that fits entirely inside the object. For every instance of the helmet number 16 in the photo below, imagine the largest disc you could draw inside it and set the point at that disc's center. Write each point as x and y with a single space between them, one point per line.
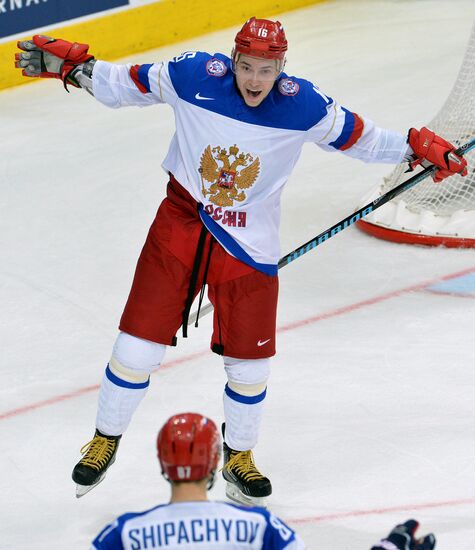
262 32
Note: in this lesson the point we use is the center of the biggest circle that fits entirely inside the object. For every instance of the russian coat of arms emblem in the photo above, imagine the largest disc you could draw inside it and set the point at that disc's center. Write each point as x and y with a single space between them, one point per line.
229 174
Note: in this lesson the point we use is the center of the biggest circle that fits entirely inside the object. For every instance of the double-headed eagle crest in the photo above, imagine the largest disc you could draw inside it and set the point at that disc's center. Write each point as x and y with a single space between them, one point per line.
228 179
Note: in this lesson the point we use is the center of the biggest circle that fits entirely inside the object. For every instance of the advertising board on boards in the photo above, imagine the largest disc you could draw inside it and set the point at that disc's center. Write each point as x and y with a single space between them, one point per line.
17 16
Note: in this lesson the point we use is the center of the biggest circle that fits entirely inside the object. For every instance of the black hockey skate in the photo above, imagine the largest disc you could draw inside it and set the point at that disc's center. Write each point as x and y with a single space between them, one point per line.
99 454
245 484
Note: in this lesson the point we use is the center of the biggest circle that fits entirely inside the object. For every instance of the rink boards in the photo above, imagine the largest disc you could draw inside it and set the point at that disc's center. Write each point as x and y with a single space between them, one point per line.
121 29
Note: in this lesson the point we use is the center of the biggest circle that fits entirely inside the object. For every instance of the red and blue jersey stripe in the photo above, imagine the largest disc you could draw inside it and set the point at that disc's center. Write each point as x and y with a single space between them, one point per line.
139 74
352 131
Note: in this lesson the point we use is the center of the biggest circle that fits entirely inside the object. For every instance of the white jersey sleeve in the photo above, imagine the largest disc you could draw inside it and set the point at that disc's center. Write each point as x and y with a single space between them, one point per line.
353 135
140 85
122 85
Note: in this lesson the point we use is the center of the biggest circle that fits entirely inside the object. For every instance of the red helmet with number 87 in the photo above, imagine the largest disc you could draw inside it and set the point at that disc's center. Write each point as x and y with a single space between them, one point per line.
261 38
188 447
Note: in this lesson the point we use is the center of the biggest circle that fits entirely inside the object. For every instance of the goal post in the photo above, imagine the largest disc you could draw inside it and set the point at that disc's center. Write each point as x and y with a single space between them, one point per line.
435 214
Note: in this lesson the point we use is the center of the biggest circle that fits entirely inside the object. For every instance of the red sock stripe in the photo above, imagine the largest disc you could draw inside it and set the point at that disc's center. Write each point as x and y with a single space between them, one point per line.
356 134
134 75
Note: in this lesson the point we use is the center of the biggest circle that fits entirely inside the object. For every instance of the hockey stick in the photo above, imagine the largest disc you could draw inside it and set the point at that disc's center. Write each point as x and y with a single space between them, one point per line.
350 220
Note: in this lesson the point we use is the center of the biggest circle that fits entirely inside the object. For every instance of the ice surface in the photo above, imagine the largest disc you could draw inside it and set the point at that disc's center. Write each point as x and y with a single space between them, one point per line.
370 414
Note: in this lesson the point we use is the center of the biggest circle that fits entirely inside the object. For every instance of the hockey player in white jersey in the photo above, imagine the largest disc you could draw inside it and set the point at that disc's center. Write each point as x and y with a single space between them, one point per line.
241 123
188 448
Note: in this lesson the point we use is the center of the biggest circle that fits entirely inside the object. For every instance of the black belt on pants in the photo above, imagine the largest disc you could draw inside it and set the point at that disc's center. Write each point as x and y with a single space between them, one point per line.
194 279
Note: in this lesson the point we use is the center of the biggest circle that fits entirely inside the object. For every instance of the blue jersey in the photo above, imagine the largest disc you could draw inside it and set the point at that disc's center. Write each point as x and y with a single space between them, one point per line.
198 525
234 159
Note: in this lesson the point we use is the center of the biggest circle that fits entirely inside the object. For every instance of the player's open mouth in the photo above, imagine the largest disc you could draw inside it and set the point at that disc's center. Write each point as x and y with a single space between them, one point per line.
253 93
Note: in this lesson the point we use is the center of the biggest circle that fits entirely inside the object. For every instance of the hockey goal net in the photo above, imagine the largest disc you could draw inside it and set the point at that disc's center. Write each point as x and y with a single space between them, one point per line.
435 214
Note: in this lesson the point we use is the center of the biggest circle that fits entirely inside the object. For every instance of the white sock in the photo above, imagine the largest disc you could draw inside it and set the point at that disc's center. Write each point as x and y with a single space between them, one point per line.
118 401
243 416
125 381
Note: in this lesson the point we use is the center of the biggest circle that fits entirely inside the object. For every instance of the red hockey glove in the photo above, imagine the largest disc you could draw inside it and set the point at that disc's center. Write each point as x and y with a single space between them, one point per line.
430 147
47 57
402 537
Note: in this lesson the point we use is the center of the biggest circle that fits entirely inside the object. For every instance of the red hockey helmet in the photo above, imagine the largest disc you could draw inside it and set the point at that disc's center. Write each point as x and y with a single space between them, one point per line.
188 447
261 38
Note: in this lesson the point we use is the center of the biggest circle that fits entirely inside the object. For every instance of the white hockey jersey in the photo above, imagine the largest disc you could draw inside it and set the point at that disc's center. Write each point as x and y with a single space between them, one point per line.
198 526
234 159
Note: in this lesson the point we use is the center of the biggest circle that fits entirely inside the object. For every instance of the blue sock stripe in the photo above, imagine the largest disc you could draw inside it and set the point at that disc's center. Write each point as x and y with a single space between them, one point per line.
123 383
247 399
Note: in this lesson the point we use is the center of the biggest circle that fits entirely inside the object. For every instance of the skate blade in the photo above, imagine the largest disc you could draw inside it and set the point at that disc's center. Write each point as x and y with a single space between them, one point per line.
81 490
233 493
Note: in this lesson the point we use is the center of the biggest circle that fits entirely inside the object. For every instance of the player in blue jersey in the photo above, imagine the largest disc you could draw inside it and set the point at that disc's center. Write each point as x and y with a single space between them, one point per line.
241 123
188 448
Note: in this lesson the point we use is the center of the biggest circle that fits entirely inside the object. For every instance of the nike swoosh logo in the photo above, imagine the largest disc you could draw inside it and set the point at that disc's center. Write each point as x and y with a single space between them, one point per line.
198 96
259 343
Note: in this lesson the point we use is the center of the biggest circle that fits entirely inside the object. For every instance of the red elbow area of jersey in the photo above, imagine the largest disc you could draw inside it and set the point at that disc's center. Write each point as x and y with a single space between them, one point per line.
355 134
134 75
